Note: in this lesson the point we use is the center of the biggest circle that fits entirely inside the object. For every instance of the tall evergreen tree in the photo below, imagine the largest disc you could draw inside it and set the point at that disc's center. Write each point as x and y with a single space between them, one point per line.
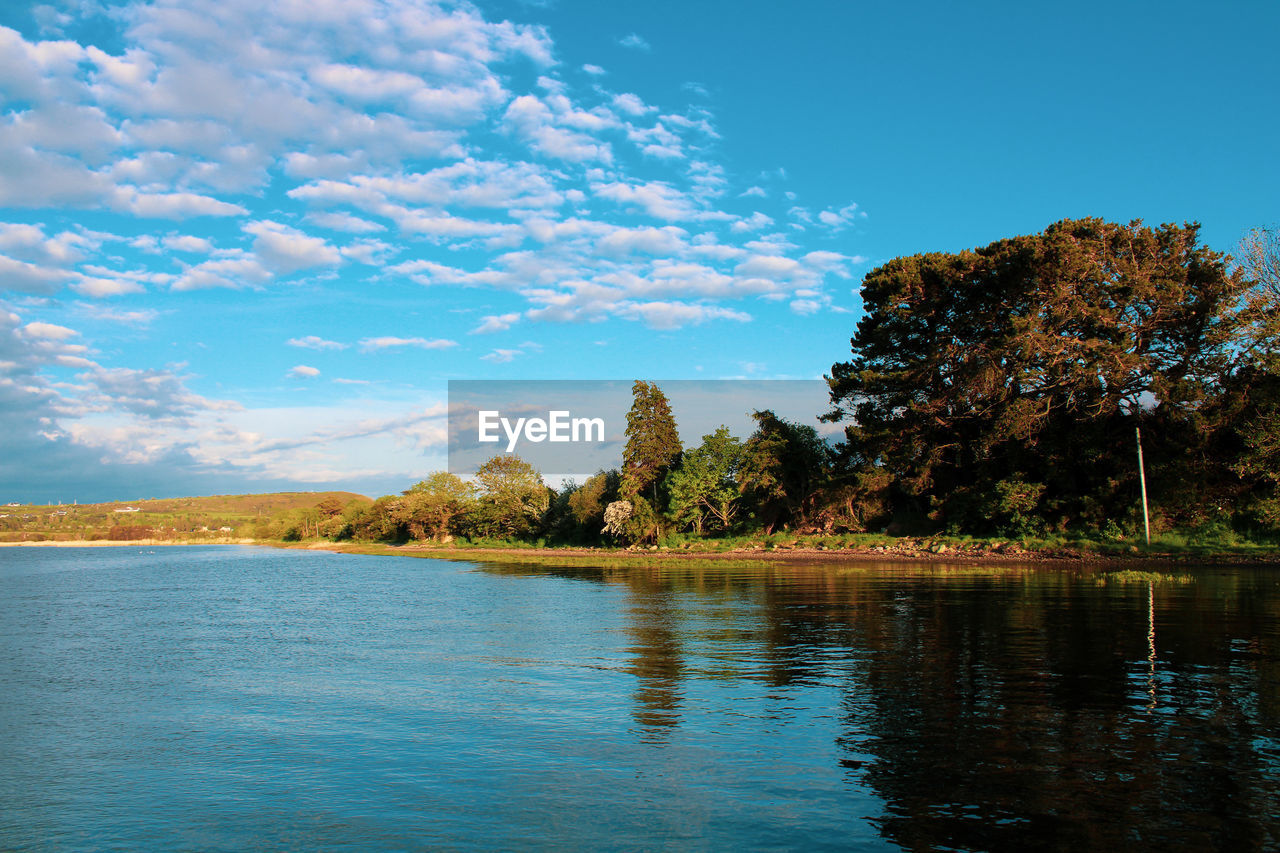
653 444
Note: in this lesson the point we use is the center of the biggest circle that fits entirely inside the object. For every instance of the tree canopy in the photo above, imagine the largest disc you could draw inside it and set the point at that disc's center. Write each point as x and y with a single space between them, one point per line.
513 499
653 443
1007 380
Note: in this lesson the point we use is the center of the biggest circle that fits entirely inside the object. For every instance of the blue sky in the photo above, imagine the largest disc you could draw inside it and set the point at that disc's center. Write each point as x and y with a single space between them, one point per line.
245 243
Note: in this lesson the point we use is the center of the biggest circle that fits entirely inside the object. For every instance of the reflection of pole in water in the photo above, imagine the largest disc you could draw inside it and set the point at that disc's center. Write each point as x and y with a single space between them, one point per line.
1151 646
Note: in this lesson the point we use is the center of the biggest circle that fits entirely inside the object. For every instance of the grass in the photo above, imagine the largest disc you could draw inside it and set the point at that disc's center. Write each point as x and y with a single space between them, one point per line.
181 518
550 557
1129 576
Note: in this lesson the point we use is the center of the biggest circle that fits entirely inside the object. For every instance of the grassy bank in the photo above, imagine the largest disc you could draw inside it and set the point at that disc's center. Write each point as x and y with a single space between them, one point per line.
759 551
749 551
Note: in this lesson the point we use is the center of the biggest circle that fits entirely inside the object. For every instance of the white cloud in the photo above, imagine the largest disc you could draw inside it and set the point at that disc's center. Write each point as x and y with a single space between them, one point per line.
496 323
233 273
304 371
669 241
375 344
773 267
532 121
634 41
151 394
29 243
631 104
49 331
655 198
139 317
315 342
338 221
187 243
593 70
673 315
176 205
754 222
30 278
366 84
501 356
283 249
371 252
100 287
838 220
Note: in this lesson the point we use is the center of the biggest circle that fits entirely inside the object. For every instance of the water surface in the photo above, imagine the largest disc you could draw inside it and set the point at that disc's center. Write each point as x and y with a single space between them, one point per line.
226 698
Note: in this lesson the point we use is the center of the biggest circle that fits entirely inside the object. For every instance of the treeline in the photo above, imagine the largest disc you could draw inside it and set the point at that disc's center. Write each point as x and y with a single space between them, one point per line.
778 477
997 391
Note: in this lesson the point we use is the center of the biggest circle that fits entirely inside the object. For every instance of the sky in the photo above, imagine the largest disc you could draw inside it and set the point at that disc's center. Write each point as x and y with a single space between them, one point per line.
244 244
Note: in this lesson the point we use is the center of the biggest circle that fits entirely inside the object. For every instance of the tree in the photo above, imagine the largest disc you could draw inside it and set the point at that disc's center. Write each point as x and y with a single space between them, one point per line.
784 465
433 507
1012 376
377 521
513 499
653 444
586 504
1260 258
704 490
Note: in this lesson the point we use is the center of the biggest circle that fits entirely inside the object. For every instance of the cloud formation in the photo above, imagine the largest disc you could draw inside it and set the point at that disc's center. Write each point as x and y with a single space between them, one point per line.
232 152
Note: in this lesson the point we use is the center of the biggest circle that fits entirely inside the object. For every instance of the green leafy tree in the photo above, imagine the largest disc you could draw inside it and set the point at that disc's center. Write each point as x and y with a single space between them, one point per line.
1028 362
784 466
378 521
653 444
586 504
703 491
513 499
433 507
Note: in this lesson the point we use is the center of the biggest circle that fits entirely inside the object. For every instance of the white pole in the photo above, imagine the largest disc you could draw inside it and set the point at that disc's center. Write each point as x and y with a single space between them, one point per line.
1142 478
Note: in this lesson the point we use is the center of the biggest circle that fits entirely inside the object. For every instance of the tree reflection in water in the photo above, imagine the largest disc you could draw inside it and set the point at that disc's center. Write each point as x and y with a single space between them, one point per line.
657 663
995 709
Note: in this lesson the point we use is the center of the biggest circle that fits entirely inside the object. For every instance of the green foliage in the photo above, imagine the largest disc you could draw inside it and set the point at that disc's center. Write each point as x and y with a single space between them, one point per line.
1131 576
1030 360
653 444
513 499
1257 447
586 504
379 521
643 525
784 465
187 519
704 493
1015 507
434 508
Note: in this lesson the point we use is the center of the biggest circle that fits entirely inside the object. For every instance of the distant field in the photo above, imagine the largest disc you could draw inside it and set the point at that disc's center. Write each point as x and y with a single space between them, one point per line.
216 516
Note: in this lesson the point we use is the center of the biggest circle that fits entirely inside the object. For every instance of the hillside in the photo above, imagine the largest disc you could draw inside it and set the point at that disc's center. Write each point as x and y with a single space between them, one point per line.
214 517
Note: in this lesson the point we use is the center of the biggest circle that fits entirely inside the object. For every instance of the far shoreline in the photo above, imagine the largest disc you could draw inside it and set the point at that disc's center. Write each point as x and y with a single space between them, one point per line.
642 557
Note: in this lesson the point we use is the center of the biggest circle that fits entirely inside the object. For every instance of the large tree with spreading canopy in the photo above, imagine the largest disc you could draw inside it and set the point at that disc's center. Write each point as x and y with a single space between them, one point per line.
1005 383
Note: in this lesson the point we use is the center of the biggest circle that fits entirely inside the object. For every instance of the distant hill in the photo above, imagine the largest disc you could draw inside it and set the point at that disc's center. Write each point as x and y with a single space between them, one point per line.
217 516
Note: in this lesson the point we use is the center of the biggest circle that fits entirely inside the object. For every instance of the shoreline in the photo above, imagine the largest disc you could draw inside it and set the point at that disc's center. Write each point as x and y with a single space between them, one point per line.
580 556
795 556
125 543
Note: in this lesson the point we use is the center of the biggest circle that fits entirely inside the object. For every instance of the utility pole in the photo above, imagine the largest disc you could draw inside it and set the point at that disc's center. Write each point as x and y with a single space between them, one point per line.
1142 479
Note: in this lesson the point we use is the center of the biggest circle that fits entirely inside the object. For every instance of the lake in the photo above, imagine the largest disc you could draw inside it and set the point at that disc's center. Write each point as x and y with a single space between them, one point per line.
231 698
